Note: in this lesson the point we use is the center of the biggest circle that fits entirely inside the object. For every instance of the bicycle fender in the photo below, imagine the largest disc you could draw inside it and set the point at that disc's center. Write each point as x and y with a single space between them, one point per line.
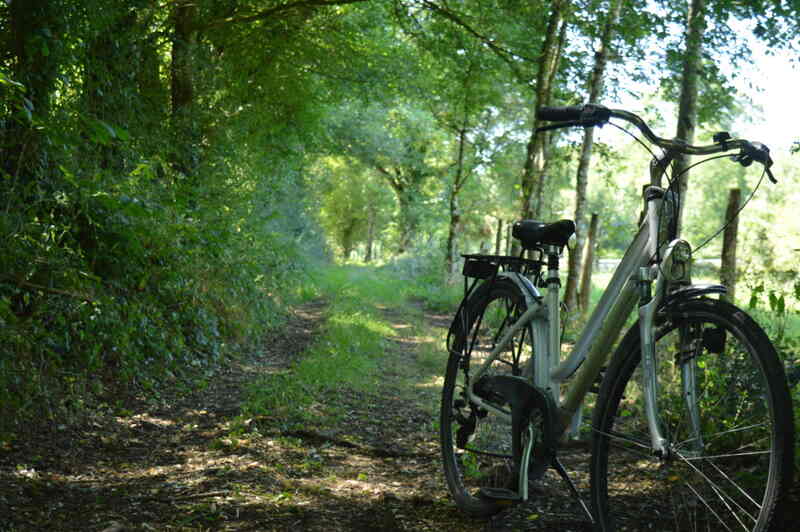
692 291
525 285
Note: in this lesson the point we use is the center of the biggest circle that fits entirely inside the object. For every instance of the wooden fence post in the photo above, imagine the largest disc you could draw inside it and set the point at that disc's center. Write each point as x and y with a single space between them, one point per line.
727 270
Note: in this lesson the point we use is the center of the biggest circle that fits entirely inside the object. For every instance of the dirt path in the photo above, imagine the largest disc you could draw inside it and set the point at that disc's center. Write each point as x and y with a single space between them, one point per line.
196 464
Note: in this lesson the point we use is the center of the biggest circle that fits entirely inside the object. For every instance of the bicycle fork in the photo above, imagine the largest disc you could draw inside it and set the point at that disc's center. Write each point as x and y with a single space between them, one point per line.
647 311
690 341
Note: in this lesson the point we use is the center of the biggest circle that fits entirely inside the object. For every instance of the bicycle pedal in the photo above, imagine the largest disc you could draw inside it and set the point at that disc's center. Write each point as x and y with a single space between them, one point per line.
500 495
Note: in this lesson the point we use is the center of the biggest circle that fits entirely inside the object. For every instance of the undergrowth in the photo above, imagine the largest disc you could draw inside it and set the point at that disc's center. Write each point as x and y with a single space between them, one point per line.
122 283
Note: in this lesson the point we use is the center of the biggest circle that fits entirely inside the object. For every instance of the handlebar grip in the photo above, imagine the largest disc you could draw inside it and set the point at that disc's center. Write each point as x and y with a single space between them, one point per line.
560 114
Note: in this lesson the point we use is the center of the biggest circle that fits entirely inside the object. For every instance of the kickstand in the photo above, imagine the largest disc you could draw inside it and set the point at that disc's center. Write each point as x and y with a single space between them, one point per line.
563 473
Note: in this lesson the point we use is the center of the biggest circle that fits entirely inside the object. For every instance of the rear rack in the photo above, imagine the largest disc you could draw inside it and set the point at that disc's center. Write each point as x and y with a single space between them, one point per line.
487 266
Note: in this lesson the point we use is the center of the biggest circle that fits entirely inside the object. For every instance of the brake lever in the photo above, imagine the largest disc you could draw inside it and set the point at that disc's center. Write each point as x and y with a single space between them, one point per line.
756 151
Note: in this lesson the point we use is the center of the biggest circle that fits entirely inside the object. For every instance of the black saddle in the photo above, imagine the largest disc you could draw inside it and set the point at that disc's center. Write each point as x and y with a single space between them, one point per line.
534 235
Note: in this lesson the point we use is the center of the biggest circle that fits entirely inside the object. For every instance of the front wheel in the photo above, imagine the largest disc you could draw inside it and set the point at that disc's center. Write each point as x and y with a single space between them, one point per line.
725 409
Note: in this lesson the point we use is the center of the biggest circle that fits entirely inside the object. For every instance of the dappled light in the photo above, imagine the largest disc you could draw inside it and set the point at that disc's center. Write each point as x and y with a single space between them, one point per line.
235 239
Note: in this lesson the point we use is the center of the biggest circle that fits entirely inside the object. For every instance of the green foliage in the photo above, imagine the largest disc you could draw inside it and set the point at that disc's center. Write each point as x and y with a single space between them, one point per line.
775 303
169 171
775 299
355 204
138 250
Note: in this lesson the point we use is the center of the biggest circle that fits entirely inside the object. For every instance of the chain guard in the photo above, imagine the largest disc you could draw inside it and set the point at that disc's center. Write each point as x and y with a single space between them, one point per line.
529 403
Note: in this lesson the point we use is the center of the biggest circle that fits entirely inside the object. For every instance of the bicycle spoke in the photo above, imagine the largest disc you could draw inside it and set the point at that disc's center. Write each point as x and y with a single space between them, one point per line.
724 497
730 431
710 509
729 455
618 436
737 486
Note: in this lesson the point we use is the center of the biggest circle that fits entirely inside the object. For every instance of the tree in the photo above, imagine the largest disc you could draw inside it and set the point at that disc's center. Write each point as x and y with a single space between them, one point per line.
402 144
182 73
687 108
354 203
595 89
535 167
33 52
468 89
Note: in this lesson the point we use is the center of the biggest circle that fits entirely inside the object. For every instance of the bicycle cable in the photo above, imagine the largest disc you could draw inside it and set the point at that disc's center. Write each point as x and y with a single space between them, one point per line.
637 139
735 215
670 182
675 180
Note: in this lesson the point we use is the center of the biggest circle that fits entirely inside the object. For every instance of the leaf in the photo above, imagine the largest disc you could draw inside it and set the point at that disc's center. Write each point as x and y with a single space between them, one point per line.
777 303
98 133
68 176
123 134
111 132
5 80
754 296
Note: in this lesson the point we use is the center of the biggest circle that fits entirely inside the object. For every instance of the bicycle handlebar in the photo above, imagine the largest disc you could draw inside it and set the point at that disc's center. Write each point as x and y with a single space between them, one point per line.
591 115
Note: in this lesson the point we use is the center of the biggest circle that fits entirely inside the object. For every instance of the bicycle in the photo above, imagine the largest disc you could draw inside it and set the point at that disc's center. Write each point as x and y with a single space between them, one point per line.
693 410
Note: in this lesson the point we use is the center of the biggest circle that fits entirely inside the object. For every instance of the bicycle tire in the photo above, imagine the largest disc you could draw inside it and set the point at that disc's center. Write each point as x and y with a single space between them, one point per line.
736 476
466 431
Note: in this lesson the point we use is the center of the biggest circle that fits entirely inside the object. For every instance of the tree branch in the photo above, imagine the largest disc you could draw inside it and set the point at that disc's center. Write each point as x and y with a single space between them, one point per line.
268 13
394 181
503 53
40 288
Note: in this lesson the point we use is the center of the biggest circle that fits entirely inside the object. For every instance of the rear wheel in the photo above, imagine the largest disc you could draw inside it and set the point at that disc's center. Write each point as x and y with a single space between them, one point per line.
477 446
725 409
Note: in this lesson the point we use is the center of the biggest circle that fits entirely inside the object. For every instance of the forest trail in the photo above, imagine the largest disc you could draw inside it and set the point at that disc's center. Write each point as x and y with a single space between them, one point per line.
365 459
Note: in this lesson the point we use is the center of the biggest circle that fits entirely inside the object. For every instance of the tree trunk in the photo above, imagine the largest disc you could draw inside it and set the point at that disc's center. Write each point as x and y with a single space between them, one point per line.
370 235
534 167
588 265
34 27
727 273
182 90
152 91
459 179
108 77
347 240
408 218
499 238
455 218
582 178
687 111
32 51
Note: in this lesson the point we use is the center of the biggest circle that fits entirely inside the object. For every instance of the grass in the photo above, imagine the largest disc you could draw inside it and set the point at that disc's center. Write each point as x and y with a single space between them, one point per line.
347 352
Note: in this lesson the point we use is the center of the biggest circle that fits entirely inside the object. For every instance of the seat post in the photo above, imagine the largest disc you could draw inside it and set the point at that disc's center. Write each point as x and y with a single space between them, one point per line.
553 283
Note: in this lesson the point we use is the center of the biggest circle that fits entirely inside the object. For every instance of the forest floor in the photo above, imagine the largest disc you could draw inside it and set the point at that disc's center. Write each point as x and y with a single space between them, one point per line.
355 458
197 463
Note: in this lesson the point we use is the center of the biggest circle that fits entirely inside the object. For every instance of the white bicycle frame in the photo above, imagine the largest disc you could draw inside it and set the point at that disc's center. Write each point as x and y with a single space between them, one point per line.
631 282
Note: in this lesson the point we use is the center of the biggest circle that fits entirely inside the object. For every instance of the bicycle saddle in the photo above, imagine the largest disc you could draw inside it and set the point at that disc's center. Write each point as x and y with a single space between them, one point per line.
534 234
